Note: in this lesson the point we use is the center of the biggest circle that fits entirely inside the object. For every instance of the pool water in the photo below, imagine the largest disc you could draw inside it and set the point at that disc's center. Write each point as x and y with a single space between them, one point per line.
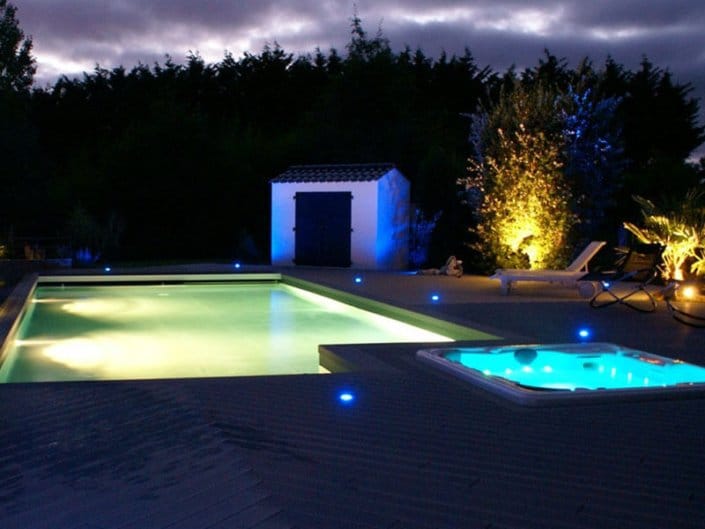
573 367
192 330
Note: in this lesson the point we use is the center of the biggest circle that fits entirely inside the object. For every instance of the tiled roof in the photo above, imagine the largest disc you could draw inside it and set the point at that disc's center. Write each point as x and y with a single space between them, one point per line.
359 172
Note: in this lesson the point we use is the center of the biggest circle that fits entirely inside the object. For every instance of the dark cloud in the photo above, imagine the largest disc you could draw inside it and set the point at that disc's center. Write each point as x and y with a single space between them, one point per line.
74 35
77 20
646 14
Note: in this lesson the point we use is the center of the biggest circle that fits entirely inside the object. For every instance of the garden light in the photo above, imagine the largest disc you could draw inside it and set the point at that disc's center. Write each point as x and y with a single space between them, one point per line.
689 292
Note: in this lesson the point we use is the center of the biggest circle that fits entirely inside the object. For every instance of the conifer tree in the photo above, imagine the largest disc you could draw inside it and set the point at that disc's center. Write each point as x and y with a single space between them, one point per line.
17 66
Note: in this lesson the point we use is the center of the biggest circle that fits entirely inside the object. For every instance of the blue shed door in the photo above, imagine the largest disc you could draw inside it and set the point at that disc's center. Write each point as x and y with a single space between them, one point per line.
323 227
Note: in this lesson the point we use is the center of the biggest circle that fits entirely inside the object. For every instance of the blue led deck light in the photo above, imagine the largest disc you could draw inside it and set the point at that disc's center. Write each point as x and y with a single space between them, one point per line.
584 333
435 298
357 279
107 269
346 397
237 265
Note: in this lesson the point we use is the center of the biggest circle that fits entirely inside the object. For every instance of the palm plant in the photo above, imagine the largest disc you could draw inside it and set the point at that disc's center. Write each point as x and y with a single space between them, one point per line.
680 228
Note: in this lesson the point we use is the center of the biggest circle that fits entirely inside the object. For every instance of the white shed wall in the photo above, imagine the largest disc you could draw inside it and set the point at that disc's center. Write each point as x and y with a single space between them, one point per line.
364 224
363 213
393 221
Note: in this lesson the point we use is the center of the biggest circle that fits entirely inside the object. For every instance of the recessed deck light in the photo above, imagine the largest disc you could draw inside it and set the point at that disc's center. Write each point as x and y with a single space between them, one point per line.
346 397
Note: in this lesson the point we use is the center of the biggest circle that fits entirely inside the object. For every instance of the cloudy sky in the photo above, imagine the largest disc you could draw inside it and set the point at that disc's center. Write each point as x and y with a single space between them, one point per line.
72 36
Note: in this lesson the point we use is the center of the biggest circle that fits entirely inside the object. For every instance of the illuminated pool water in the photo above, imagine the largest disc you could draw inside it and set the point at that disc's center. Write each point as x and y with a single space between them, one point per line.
554 372
191 330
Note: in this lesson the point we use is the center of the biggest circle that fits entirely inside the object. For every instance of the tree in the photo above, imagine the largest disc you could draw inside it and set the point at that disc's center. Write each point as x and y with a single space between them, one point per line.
661 129
594 157
361 48
17 66
661 117
18 137
524 214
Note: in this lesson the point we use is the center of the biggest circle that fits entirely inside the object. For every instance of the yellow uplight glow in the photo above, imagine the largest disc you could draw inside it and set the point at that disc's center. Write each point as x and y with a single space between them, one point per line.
517 232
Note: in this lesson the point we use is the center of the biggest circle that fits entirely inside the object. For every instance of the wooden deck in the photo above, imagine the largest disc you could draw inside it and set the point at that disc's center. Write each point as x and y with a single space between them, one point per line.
416 449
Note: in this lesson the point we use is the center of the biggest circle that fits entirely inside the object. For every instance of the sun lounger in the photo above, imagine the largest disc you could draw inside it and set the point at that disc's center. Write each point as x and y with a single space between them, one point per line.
633 274
568 277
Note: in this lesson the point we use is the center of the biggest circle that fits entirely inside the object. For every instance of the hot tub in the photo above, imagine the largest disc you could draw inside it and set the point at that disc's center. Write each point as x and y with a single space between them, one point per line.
561 373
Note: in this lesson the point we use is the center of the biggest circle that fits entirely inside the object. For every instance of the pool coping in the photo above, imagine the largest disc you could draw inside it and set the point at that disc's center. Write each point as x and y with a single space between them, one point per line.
12 310
158 278
525 396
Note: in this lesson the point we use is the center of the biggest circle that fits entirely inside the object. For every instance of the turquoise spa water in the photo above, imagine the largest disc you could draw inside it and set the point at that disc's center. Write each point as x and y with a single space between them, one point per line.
180 331
578 366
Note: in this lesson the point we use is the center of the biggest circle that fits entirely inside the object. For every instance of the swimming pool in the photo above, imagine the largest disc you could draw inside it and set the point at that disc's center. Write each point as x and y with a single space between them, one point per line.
181 330
531 374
